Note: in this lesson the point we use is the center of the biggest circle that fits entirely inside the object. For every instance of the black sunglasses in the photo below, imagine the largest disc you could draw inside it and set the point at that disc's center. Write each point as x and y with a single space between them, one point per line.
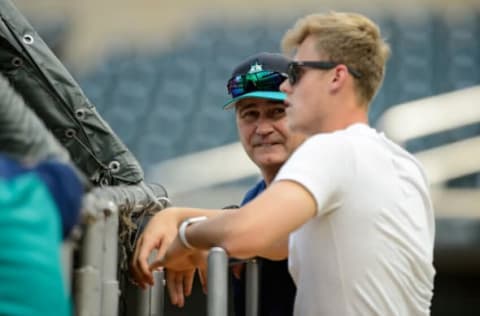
295 69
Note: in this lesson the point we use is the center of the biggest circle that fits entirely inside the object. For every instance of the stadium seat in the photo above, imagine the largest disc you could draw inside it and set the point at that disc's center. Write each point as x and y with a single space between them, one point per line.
431 54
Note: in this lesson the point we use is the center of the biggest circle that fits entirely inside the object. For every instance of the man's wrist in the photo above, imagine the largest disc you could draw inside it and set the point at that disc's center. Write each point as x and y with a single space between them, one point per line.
183 229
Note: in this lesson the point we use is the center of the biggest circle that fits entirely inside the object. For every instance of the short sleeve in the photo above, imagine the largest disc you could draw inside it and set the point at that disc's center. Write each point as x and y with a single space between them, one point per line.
323 165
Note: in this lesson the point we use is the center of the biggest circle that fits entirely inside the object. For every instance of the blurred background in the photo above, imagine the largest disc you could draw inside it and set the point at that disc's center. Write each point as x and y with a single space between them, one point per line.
157 73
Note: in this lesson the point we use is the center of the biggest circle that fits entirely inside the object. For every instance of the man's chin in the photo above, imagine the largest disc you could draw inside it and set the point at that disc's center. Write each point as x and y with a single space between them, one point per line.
272 157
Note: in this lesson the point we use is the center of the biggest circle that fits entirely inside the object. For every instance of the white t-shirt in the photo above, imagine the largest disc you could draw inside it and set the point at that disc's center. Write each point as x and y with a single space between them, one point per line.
369 249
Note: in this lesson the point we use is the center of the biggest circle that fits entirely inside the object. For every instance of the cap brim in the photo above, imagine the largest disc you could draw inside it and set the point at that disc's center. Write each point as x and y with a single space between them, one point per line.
270 95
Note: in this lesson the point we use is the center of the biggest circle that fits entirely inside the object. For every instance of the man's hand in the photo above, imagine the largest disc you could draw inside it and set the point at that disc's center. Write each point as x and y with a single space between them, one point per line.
180 273
159 234
237 270
179 285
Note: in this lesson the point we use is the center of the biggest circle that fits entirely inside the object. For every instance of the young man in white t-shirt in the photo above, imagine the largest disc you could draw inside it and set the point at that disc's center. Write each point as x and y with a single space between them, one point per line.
354 207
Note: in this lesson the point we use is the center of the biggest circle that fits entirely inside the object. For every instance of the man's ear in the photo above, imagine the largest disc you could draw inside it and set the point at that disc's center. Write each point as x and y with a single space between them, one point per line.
340 74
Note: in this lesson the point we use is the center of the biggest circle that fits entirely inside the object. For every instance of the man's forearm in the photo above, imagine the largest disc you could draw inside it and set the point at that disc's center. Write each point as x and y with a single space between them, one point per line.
219 232
183 213
248 231
227 230
277 251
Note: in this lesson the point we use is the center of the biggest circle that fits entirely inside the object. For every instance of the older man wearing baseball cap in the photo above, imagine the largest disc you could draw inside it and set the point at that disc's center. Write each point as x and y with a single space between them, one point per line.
265 136
261 120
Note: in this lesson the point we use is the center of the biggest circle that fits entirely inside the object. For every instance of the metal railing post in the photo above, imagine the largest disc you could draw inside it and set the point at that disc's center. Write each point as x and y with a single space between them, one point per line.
67 250
217 297
110 284
252 288
148 302
88 285
96 281
157 294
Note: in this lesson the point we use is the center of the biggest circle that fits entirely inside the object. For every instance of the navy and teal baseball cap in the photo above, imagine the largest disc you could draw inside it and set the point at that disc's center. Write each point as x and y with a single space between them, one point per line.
259 76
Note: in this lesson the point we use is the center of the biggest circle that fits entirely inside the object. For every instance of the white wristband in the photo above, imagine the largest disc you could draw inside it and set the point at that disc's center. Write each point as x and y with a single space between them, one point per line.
183 228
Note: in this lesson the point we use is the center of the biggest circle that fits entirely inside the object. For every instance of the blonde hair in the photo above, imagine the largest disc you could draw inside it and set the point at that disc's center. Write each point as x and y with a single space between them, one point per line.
347 38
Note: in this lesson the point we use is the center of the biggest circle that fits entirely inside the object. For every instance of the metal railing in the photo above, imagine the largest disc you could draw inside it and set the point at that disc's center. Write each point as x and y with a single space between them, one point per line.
96 277
217 297
111 221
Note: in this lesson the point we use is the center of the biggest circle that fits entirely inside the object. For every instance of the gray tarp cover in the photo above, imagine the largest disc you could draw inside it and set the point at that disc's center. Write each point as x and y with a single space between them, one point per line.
49 90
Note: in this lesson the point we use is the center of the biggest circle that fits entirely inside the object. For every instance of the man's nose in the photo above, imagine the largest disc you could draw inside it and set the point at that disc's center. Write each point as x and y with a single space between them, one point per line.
264 126
286 87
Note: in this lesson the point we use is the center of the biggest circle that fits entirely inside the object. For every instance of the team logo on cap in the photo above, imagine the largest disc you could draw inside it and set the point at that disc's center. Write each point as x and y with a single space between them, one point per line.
255 68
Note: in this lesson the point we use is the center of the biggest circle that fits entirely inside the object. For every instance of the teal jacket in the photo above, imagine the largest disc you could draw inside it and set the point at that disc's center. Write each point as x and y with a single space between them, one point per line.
38 206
